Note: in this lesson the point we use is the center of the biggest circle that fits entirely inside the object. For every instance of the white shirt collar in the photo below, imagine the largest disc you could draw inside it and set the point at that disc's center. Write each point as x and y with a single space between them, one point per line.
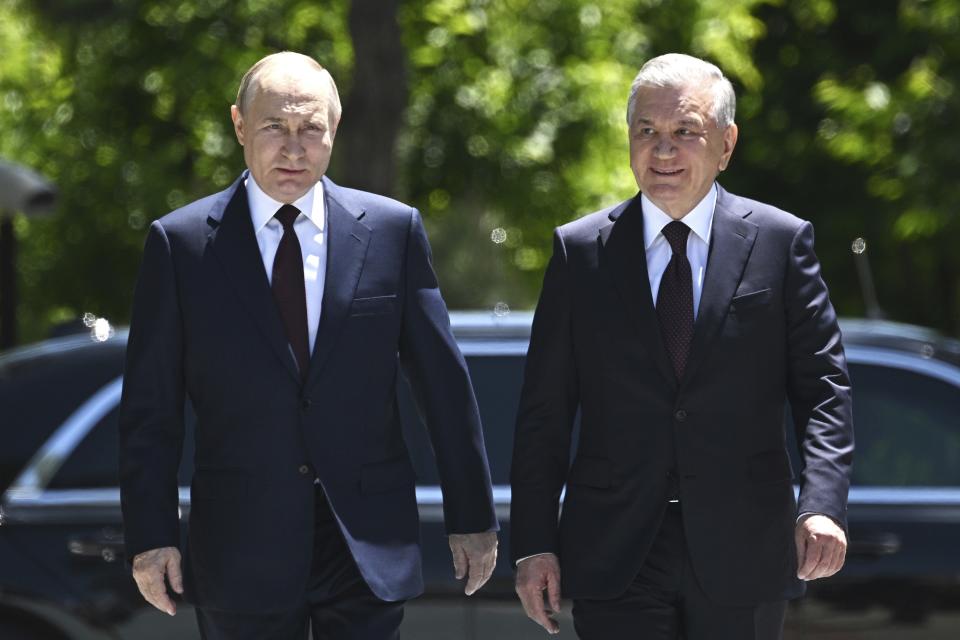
700 218
263 207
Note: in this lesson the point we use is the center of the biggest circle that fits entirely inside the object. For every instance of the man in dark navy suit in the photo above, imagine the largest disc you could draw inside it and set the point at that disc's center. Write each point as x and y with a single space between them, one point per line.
283 308
678 324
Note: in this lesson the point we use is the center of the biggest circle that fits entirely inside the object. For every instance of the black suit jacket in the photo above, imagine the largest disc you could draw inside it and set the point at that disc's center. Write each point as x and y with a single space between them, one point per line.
205 326
765 333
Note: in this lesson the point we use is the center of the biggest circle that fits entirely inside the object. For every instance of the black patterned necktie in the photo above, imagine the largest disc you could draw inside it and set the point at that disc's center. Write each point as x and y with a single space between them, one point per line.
675 298
289 289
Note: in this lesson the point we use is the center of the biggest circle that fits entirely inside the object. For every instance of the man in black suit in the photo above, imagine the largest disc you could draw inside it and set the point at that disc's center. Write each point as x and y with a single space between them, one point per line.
678 323
283 307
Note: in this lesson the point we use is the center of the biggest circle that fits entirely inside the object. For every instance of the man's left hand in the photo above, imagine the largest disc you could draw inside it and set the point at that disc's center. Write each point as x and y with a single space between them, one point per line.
821 547
474 555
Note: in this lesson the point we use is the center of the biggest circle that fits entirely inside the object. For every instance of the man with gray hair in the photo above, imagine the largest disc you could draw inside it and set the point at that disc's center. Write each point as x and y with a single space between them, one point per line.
678 325
283 308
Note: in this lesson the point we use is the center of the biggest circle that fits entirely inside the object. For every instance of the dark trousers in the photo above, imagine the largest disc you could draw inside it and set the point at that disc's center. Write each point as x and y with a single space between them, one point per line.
338 604
665 602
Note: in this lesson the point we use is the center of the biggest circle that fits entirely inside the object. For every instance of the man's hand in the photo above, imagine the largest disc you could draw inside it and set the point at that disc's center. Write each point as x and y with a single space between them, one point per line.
474 555
821 547
533 576
149 569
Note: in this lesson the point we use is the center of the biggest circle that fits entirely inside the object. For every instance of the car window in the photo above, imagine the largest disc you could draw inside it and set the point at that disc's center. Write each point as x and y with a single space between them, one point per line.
37 393
496 382
907 428
94 463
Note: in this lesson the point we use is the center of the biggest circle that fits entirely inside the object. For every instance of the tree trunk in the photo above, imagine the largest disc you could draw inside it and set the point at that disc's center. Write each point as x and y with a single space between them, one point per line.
373 112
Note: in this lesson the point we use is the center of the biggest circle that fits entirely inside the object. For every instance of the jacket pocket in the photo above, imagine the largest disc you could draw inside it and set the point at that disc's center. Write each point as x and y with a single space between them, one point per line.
750 300
769 467
375 306
388 475
591 472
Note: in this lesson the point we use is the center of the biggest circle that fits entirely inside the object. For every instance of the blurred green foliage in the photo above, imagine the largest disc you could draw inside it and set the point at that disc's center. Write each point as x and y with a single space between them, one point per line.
515 122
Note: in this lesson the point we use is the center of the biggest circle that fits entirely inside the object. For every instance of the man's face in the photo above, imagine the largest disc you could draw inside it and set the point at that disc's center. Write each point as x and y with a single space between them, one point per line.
287 131
676 147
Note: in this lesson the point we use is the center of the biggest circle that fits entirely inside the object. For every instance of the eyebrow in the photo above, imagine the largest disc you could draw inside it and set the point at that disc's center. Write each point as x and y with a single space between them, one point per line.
682 121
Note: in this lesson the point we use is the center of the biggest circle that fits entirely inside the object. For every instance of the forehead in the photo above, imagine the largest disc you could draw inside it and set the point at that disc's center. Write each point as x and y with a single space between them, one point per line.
277 92
674 103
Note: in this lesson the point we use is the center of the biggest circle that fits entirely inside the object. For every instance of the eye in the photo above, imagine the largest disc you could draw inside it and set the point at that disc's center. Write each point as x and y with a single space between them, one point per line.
273 126
644 132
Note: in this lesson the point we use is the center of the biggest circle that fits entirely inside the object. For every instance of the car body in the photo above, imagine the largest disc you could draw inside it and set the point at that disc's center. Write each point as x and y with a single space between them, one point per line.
61 540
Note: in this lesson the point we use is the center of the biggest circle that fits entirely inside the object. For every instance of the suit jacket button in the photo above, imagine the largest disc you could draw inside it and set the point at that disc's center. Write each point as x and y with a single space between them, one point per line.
304 469
305 403
680 415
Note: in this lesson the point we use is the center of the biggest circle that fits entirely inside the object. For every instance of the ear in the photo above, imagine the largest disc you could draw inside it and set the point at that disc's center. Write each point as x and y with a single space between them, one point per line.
729 142
237 123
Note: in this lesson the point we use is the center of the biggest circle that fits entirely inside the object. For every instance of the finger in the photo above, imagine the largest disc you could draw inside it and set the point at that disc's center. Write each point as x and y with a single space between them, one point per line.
489 565
842 555
829 562
813 552
836 559
529 602
484 571
553 590
823 570
548 622
174 574
156 594
532 599
459 561
475 575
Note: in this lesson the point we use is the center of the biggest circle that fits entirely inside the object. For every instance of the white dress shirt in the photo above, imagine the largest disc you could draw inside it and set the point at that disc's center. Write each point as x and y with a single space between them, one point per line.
310 227
700 221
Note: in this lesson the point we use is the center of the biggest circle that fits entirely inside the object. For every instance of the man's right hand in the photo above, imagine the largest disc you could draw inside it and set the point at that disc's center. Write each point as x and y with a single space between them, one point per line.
150 567
534 575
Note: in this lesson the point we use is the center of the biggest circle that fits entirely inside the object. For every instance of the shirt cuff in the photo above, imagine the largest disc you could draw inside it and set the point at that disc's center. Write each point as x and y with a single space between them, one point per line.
545 553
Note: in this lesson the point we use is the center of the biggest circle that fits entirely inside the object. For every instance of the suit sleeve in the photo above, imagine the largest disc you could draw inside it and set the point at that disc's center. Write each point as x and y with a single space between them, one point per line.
548 406
441 386
818 385
151 407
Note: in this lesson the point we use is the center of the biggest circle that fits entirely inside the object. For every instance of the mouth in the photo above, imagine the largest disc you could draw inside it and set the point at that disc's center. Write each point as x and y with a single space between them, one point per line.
290 172
666 172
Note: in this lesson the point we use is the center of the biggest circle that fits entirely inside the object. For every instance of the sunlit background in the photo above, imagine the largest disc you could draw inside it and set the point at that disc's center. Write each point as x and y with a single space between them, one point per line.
499 119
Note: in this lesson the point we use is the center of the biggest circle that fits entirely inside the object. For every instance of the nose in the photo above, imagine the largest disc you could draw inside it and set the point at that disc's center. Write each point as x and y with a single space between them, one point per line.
663 147
292 147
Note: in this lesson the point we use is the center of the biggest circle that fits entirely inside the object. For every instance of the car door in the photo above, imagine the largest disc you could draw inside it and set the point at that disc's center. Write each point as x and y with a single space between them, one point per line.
64 513
902 576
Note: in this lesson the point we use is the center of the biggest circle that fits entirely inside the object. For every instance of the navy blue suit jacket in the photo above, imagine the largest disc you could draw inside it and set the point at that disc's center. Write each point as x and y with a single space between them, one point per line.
205 326
766 333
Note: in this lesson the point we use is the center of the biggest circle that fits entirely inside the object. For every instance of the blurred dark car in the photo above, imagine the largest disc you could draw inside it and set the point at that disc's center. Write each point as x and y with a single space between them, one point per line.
61 554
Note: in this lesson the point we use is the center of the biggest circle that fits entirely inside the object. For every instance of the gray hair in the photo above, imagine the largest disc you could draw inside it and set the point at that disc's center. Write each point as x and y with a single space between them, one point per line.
677 70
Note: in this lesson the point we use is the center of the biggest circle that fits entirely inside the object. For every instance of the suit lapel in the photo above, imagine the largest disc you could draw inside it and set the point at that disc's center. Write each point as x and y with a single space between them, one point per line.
235 246
730 246
625 258
348 239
